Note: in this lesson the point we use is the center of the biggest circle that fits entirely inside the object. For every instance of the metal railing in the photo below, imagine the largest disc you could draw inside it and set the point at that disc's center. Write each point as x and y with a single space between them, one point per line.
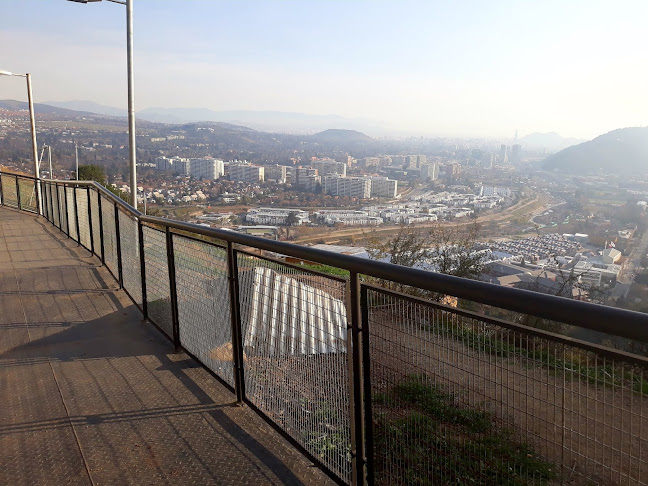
373 385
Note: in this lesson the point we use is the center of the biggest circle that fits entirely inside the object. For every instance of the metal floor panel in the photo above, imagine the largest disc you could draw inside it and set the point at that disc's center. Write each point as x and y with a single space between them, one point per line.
93 395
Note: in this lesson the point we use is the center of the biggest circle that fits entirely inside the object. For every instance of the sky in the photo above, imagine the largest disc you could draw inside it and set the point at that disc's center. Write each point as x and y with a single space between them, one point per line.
427 67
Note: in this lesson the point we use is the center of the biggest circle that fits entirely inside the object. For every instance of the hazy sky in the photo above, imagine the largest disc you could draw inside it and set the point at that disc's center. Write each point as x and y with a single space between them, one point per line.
483 67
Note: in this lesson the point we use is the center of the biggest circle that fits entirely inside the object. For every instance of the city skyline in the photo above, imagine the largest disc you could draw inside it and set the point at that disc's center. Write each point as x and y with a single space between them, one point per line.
464 69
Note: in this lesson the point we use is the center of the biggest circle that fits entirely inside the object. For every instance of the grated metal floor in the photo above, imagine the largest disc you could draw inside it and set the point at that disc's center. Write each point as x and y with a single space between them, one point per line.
90 394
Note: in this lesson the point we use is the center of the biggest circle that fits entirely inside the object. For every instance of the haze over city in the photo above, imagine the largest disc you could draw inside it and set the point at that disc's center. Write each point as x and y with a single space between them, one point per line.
422 68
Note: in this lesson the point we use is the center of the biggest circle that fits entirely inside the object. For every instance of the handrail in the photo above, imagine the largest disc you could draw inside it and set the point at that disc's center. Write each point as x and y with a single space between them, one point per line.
601 318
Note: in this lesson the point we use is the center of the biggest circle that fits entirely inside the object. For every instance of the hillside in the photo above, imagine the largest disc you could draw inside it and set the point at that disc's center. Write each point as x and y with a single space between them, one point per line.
334 135
623 150
550 141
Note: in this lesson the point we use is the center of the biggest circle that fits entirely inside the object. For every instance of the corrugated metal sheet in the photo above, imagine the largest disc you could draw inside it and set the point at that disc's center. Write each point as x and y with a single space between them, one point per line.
284 316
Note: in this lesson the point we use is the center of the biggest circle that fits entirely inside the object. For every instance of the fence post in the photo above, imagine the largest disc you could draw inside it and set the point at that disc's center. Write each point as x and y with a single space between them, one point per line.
356 402
58 206
140 235
101 231
235 320
172 288
18 194
1 196
43 197
67 211
76 213
51 203
120 272
37 189
366 382
90 220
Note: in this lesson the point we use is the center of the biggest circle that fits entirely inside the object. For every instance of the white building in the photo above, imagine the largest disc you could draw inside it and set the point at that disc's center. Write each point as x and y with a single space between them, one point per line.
429 171
329 166
275 216
276 173
347 217
242 172
206 168
383 187
358 187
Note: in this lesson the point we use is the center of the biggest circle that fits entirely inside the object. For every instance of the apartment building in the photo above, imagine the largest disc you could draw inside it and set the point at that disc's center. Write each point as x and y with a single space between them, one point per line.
206 168
358 187
242 172
329 166
276 216
383 187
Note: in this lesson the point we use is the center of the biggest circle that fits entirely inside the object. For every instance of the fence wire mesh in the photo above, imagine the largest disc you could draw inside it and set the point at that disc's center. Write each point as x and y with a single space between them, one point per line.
158 294
109 234
203 304
295 360
459 400
84 217
95 227
9 193
71 215
62 204
28 196
130 253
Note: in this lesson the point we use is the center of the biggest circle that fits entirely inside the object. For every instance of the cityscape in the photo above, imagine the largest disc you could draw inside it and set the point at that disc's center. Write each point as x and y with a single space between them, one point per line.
328 243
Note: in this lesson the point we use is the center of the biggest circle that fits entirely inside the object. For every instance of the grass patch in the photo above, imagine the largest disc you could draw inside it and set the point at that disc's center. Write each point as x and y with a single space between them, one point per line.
327 269
423 437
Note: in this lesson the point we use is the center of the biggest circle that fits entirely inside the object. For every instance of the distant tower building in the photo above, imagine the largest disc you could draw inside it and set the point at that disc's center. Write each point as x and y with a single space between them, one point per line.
503 155
516 154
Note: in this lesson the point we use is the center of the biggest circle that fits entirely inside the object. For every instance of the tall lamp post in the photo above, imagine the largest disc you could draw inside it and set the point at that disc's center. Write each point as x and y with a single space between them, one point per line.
131 94
31 117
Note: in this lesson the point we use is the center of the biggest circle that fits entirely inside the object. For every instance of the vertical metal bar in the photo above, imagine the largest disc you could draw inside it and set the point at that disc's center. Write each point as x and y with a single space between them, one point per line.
58 206
354 358
43 193
366 378
18 194
235 320
92 250
76 213
140 234
37 190
2 201
118 243
172 288
67 211
101 230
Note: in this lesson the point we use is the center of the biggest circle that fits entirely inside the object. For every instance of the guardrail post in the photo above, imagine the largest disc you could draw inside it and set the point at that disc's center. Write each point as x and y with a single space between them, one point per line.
39 194
67 211
366 384
140 235
101 231
120 272
354 360
58 206
18 194
172 288
76 213
235 319
90 220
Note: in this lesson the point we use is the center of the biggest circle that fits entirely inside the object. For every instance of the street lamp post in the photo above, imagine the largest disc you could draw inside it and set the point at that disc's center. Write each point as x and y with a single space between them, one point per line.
131 94
31 117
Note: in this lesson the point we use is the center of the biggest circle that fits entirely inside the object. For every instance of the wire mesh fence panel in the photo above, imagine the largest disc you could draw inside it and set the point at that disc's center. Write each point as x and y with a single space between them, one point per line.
203 304
130 252
28 196
459 399
95 226
62 204
84 216
69 194
158 295
9 194
109 235
295 360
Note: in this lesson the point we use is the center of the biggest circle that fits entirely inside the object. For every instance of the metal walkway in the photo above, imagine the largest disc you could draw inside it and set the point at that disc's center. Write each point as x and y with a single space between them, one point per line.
90 394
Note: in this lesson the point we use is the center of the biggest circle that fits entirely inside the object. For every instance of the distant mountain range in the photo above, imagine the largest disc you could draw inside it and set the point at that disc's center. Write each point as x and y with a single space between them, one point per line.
274 121
334 135
624 150
549 141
